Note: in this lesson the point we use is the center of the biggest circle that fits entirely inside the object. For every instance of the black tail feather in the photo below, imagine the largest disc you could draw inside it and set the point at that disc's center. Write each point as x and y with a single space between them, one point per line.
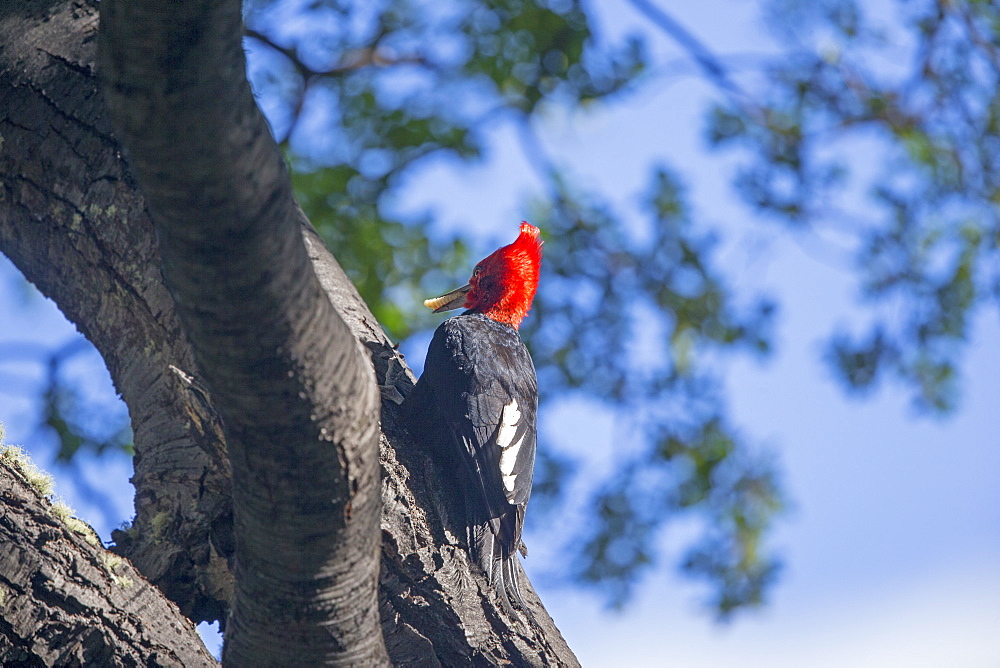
500 565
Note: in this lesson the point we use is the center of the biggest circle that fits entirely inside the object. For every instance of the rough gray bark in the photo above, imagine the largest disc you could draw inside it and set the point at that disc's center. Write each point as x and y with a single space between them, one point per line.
294 388
74 223
66 601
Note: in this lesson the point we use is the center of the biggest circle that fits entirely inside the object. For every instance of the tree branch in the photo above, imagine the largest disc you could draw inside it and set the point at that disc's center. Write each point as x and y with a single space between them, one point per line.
713 68
68 602
701 54
296 394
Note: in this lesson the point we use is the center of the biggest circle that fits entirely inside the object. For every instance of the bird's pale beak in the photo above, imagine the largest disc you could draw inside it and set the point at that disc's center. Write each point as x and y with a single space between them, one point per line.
450 301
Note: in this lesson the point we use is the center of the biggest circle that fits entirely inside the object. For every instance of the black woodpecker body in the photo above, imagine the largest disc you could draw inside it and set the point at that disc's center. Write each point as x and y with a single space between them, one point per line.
475 405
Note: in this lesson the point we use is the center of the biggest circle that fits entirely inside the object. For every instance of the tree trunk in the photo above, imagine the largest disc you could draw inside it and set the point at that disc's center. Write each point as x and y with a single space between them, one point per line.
72 219
295 392
67 601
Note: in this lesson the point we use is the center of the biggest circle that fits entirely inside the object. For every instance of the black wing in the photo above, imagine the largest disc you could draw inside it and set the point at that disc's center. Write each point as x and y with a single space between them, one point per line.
479 395
486 392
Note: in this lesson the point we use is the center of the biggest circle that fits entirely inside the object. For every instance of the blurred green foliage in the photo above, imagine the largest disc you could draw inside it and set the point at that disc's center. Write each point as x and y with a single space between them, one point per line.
73 411
394 265
924 225
633 324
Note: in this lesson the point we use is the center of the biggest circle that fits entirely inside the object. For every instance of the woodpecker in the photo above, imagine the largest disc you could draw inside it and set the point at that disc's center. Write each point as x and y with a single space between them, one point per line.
476 402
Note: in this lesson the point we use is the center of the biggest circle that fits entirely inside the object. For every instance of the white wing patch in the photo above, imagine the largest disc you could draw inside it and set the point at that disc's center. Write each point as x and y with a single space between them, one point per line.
508 482
508 424
508 449
507 459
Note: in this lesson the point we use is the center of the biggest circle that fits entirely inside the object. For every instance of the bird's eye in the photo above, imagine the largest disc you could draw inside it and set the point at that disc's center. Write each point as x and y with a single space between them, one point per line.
478 270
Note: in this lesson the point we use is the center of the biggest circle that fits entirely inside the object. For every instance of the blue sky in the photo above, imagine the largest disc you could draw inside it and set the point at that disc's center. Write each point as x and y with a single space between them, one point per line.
892 549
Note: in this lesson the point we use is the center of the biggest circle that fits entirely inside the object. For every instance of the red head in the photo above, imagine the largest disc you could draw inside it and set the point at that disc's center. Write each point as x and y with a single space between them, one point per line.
503 285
